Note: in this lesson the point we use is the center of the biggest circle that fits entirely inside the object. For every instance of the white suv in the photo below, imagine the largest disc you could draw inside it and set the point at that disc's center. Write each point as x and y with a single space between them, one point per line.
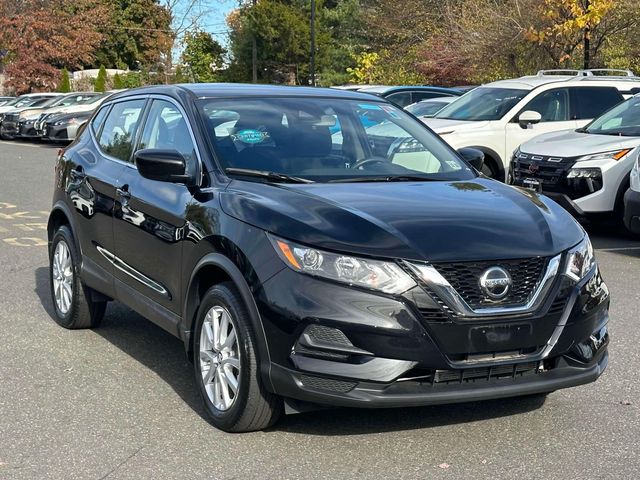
586 170
497 117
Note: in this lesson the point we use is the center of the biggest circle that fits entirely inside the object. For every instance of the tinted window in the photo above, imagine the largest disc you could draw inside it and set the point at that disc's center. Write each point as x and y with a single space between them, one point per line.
98 119
166 129
401 99
327 141
591 102
552 105
623 120
417 96
483 103
120 128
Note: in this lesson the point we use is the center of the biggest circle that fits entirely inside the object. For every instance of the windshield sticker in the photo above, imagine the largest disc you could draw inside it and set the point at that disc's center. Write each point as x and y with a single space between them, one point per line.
369 106
250 136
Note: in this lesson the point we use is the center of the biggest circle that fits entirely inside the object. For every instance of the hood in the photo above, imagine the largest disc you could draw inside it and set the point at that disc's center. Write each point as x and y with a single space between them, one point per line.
441 125
569 143
478 219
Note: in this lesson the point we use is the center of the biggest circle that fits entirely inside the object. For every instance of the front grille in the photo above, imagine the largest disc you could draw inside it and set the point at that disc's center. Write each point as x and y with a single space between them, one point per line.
327 384
469 375
10 117
550 171
465 279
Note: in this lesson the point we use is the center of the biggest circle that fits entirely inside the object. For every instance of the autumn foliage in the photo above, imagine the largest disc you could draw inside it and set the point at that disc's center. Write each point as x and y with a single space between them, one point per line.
42 36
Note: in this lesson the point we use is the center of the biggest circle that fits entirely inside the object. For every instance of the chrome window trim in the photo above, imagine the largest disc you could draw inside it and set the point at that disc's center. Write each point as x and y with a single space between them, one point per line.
444 290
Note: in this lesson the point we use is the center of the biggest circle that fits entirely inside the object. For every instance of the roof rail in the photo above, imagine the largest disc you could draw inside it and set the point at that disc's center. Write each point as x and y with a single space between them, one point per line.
605 72
559 71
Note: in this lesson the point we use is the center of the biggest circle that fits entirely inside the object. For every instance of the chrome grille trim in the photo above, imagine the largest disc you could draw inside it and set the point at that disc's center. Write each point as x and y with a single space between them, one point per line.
444 290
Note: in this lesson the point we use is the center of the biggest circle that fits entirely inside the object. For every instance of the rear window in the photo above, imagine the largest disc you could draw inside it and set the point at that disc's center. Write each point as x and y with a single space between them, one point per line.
591 102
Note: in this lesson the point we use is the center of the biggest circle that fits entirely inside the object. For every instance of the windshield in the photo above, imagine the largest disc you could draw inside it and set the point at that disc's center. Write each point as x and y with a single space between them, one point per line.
327 140
482 103
621 120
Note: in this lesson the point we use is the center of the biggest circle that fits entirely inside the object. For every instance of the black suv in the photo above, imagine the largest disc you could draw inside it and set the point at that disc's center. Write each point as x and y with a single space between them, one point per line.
315 246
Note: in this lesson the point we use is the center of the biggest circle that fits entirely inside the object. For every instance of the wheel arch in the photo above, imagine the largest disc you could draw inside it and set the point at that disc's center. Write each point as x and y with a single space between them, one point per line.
61 215
212 269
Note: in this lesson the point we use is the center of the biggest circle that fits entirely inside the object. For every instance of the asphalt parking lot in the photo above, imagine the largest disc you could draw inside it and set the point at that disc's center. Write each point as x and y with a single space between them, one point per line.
120 402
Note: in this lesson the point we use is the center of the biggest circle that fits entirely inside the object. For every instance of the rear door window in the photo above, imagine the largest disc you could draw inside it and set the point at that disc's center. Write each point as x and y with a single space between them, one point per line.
591 102
120 127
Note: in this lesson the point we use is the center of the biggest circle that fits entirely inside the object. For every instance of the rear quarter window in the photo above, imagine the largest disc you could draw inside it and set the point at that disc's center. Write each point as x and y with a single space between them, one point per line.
98 120
591 102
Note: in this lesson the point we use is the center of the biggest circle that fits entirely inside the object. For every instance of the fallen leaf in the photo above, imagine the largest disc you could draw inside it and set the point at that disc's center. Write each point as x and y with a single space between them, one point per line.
625 402
68 369
444 465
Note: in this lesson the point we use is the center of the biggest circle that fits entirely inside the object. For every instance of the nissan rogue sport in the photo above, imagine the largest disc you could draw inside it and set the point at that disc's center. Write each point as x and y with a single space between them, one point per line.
320 247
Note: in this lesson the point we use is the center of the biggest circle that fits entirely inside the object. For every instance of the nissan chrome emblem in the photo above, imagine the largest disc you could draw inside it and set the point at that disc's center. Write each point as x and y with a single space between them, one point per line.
495 283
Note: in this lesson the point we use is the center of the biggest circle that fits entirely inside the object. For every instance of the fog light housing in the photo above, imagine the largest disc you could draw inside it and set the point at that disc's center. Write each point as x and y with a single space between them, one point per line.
586 350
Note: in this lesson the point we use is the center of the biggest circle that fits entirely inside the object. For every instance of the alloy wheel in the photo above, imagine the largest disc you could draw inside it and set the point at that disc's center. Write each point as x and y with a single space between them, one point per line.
219 358
62 273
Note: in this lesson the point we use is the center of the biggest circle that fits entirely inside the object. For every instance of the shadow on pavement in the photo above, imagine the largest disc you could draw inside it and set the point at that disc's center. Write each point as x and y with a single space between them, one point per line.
143 341
164 355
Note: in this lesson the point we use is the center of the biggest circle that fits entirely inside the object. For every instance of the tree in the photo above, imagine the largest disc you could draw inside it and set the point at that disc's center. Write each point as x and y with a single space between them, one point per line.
201 58
65 85
42 36
567 26
101 80
136 36
117 82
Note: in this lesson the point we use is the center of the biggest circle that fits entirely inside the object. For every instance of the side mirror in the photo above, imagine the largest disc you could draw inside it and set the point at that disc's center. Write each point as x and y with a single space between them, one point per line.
529 117
162 165
473 156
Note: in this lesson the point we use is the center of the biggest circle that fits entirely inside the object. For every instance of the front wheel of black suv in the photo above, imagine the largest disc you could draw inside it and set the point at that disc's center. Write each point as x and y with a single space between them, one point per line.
226 364
72 301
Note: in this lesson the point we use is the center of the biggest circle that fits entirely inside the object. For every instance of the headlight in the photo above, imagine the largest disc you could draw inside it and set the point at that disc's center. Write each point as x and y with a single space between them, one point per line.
584 173
516 154
363 272
69 121
613 155
581 260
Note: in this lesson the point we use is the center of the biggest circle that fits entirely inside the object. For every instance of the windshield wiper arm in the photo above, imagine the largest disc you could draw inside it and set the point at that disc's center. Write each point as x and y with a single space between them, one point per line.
274 176
387 178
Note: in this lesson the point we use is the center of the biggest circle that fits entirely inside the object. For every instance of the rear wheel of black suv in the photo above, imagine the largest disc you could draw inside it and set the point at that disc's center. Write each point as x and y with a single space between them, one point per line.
226 364
72 301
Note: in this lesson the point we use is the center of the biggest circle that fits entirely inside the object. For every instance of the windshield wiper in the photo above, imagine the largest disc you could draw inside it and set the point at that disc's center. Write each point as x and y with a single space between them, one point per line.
274 176
388 178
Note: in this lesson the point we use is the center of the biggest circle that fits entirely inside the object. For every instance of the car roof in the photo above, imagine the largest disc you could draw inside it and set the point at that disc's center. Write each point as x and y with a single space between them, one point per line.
529 82
387 89
234 90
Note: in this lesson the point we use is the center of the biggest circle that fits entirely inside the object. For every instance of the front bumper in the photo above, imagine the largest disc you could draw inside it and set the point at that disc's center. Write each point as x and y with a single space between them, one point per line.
632 211
399 352
27 130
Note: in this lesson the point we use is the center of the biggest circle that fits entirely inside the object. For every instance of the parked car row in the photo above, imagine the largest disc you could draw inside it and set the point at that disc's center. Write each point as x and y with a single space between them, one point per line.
573 135
48 116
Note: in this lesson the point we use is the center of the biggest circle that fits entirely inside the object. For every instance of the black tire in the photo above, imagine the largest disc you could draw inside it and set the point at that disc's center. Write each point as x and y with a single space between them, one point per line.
253 408
83 312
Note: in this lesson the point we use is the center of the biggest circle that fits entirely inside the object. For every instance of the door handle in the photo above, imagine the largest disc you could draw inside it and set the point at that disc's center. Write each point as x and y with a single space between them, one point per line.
78 174
124 195
123 192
